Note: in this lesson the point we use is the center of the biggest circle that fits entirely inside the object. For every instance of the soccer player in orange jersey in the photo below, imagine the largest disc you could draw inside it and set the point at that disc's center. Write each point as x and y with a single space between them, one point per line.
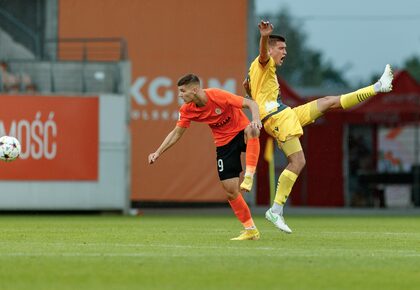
285 123
233 133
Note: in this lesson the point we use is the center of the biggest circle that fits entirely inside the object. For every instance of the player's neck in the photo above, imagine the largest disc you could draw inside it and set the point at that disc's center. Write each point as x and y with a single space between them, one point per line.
200 99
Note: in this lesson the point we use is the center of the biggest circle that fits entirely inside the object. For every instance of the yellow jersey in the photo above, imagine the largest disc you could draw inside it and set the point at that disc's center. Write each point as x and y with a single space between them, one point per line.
265 89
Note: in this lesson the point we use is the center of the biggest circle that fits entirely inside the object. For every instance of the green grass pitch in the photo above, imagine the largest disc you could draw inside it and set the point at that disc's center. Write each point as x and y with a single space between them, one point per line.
193 252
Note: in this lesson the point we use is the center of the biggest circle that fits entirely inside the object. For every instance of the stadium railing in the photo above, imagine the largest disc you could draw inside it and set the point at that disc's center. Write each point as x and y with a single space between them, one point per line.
75 66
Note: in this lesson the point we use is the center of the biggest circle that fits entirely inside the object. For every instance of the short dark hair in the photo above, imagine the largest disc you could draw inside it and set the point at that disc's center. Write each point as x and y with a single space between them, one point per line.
188 79
274 38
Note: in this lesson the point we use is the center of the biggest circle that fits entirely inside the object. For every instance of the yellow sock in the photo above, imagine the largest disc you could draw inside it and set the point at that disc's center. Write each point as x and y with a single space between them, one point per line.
284 186
351 99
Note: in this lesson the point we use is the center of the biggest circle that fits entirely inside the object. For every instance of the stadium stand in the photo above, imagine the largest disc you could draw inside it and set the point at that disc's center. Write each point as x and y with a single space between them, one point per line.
32 62
76 76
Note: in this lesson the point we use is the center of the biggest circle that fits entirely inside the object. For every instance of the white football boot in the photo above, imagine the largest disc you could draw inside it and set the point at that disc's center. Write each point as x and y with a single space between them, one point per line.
386 80
278 221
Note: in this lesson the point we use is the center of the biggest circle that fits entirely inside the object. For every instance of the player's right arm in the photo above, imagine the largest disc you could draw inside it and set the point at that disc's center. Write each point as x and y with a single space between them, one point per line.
266 28
169 141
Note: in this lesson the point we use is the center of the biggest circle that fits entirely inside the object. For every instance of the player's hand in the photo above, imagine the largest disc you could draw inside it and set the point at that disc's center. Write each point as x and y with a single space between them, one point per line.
256 124
266 28
153 157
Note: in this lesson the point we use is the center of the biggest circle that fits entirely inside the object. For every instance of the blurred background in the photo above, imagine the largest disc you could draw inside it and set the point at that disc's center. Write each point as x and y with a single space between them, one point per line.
89 88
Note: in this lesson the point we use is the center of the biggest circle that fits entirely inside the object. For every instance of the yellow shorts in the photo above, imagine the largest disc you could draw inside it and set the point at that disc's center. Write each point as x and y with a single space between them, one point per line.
289 122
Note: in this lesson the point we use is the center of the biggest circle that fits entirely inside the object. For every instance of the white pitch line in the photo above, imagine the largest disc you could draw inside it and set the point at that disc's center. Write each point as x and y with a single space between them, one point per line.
372 233
135 255
149 250
148 254
142 246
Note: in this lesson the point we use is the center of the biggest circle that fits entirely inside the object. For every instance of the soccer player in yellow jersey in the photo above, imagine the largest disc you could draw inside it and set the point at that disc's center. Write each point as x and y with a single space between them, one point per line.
285 123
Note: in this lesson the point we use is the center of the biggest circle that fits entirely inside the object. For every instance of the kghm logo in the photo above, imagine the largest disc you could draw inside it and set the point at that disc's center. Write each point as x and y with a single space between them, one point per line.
157 98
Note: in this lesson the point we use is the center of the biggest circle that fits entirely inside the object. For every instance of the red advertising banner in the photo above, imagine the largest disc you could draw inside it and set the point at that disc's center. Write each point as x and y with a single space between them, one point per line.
59 137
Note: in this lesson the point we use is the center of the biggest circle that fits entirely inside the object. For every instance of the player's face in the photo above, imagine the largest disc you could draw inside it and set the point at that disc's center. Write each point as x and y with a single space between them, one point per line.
278 52
187 93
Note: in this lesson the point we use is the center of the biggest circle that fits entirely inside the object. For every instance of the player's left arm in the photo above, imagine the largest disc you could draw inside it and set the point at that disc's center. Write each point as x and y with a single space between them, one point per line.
253 107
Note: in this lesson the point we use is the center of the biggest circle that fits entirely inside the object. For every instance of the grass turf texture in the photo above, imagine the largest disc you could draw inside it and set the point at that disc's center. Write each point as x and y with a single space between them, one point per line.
192 252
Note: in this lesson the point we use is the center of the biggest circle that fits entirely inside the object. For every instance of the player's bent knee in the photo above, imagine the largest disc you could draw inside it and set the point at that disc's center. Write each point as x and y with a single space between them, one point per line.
297 161
302 162
232 195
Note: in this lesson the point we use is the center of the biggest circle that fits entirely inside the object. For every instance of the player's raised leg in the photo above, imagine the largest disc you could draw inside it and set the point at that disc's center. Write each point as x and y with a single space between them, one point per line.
252 153
347 101
383 85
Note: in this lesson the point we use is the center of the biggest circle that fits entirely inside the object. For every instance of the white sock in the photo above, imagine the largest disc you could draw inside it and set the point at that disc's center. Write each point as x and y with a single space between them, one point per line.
251 228
277 208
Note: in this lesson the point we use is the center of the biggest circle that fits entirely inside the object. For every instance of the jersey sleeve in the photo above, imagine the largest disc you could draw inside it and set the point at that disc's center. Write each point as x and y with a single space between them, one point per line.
236 101
270 63
232 99
183 120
